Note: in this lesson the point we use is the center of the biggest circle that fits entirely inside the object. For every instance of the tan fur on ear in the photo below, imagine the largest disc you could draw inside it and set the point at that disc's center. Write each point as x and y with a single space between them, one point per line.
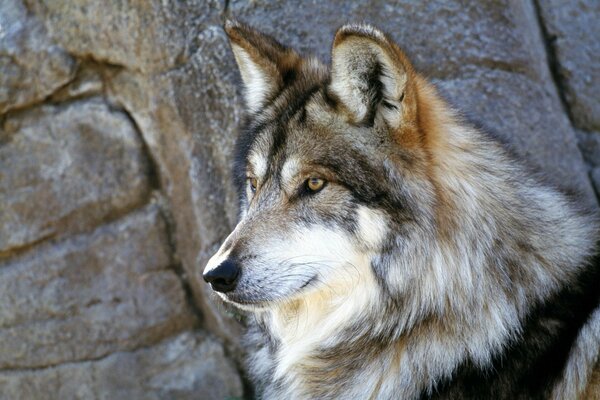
370 75
263 62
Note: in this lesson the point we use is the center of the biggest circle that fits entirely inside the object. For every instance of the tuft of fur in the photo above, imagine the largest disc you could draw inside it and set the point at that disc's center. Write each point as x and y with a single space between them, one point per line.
432 264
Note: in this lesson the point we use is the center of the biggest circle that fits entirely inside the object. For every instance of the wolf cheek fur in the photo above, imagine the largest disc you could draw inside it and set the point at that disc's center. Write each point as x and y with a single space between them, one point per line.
388 250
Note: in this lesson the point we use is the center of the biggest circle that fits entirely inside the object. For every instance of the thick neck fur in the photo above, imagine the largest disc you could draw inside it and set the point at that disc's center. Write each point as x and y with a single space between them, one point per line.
458 293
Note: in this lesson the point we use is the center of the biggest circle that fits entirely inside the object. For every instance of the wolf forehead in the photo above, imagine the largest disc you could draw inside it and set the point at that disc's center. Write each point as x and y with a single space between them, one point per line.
299 118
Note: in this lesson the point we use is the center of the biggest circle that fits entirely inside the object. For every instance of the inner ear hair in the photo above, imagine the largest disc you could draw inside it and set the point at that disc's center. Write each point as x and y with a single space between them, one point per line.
367 75
263 62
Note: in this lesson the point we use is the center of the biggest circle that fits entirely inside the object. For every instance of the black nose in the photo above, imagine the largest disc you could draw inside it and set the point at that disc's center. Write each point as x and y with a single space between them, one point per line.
223 278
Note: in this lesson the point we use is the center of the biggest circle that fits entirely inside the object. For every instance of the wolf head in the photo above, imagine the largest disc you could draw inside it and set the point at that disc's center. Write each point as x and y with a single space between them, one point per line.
358 184
324 167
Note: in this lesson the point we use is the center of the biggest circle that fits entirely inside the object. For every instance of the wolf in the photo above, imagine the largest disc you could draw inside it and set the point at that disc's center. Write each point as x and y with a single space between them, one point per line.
389 249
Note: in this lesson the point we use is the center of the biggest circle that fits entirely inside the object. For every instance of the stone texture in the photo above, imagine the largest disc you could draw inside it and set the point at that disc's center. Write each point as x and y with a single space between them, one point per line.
66 168
573 28
90 295
441 38
89 81
589 142
139 34
187 366
595 175
173 58
191 140
154 69
530 130
24 47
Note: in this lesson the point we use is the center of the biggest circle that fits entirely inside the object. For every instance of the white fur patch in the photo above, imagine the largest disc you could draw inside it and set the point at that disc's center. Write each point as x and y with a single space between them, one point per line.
258 164
289 171
364 28
218 258
350 287
319 244
256 80
372 226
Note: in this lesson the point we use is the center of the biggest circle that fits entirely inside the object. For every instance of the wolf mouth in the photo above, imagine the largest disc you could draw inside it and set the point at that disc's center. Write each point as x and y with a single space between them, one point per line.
248 301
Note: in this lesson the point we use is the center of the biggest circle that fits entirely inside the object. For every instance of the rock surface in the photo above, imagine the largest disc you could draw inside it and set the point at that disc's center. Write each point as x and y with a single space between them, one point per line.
148 36
574 36
117 124
187 366
66 168
24 46
193 153
91 295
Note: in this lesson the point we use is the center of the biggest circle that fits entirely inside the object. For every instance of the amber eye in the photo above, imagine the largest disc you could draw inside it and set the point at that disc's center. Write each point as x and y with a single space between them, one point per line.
315 184
253 182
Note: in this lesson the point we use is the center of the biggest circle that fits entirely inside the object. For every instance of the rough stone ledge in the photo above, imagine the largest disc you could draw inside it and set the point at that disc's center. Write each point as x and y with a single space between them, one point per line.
66 168
24 47
90 295
147 36
190 366
573 38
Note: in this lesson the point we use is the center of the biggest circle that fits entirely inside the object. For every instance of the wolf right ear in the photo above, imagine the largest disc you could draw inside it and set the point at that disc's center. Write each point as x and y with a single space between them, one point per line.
263 62
369 75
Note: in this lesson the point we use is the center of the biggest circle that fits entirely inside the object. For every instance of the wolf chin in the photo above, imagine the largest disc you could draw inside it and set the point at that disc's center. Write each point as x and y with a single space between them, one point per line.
387 249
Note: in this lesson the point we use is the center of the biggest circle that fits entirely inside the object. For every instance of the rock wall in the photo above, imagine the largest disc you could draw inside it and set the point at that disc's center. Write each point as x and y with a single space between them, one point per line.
117 122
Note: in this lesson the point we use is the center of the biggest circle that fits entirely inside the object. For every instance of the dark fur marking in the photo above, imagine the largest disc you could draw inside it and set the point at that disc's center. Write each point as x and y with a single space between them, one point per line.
364 180
530 366
330 98
375 94
247 137
289 76
389 105
298 100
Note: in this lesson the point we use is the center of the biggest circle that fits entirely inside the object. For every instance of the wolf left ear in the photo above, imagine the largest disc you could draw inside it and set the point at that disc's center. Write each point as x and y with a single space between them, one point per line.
264 63
369 75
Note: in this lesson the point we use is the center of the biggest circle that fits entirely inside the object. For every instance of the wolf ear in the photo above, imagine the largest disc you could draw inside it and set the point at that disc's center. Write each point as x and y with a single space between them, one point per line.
368 74
263 62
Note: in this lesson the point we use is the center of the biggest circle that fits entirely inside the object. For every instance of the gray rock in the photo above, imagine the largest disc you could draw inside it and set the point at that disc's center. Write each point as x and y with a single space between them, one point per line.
65 169
145 36
531 131
31 66
174 57
595 175
91 295
187 366
87 82
191 139
589 143
573 28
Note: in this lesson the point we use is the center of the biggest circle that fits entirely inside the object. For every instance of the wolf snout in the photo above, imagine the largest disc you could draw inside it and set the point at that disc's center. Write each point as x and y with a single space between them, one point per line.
224 277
